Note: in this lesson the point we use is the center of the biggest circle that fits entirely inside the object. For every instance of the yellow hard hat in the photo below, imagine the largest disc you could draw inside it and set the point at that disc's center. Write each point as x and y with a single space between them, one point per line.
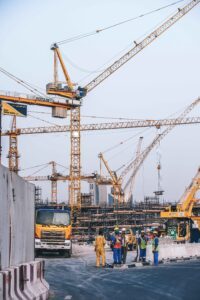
155 232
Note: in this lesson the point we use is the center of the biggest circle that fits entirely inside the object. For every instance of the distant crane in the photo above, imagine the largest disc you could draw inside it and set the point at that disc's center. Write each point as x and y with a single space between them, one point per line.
138 161
54 178
128 188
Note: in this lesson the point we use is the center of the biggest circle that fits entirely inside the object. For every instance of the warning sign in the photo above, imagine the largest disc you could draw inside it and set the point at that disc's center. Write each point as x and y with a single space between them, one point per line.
13 109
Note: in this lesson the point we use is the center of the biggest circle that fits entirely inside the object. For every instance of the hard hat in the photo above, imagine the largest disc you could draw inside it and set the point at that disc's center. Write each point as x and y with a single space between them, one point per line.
123 229
116 228
142 231
155 232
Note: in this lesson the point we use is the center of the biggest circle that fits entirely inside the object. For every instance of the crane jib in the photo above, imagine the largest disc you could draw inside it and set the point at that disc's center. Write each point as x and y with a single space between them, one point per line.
138 47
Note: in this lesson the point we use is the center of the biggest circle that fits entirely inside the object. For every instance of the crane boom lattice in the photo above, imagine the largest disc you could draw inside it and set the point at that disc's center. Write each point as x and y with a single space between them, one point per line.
143 44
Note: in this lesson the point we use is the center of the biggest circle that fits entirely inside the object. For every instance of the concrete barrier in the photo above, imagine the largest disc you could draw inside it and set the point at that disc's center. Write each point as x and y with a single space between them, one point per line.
25 282
20 276
175 251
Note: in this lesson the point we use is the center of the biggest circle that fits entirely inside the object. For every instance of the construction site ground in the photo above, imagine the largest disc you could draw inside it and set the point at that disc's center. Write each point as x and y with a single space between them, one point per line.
77 278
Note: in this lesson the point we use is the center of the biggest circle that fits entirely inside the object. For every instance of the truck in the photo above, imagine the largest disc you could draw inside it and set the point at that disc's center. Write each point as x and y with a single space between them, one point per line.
53 230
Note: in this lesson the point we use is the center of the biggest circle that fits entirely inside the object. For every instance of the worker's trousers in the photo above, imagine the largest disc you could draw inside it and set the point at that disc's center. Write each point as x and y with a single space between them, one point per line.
142 254
100 253
117 255
124 254
155 258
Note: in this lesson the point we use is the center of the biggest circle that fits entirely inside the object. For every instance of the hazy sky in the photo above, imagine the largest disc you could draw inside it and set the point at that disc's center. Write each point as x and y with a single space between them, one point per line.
160 81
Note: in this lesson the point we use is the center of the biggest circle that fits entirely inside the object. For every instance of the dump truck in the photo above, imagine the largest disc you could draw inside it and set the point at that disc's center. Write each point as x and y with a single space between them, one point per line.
53 230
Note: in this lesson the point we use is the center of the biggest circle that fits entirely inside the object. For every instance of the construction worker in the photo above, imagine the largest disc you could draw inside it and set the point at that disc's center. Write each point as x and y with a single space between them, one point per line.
124 245
100 249
117 245
142 242
155 245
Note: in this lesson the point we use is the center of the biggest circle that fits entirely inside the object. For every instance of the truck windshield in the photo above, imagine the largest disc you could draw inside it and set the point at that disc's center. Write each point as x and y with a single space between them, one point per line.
52 218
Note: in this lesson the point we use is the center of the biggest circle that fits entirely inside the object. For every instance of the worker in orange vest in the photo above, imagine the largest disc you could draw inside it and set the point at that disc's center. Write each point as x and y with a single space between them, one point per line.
117 247
100 249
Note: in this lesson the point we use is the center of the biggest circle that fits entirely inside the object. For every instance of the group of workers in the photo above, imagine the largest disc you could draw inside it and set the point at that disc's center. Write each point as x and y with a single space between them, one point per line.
119 245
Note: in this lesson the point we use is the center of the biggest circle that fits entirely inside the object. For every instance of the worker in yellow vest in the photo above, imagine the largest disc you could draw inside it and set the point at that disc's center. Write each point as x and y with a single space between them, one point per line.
142 242
100 249
155 247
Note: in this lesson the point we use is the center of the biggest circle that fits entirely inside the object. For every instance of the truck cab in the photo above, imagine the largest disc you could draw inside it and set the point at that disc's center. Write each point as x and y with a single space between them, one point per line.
53 230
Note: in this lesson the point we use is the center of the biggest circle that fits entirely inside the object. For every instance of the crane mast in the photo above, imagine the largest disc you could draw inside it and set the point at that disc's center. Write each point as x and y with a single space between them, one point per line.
53 183
130 183
13 155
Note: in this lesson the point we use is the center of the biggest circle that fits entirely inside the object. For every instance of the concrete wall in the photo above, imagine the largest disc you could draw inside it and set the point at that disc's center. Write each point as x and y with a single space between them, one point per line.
16 220
175 251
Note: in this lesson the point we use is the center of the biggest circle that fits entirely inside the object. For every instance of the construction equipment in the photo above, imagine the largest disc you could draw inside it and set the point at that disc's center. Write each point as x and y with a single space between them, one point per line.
143 155
105 126
181 215
117 192
138 161
53 230
13 134
64 89
128 188
70 93
54 177
119 195
13 155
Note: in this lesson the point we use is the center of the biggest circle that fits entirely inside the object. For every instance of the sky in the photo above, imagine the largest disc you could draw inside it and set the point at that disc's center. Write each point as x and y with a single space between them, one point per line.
158 83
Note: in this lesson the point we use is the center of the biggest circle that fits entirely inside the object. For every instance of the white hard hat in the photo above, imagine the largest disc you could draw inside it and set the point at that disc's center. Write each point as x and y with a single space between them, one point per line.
123 229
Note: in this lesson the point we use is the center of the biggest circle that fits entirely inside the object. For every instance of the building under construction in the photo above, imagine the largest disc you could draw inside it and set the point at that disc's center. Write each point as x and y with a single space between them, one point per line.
130 215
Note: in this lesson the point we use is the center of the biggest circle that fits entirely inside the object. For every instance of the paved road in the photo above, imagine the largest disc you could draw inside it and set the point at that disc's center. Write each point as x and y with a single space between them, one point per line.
78 279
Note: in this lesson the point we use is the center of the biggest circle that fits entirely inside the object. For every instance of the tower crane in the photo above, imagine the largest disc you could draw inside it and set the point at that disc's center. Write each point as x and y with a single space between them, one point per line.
54 178
119 194
104 126
13 155
131 181
76 94
13 134
138 161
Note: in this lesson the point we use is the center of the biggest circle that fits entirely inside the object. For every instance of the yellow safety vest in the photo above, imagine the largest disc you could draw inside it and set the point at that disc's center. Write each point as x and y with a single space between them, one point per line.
143 244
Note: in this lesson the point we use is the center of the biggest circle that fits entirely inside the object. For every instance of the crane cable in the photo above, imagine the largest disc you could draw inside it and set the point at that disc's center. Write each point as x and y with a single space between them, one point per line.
46 164
84 35
25 84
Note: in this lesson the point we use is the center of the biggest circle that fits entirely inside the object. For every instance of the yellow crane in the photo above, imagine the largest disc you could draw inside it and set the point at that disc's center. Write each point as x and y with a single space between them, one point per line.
135 165
75 94
54 178
13 134
104 126
119 195
182 212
